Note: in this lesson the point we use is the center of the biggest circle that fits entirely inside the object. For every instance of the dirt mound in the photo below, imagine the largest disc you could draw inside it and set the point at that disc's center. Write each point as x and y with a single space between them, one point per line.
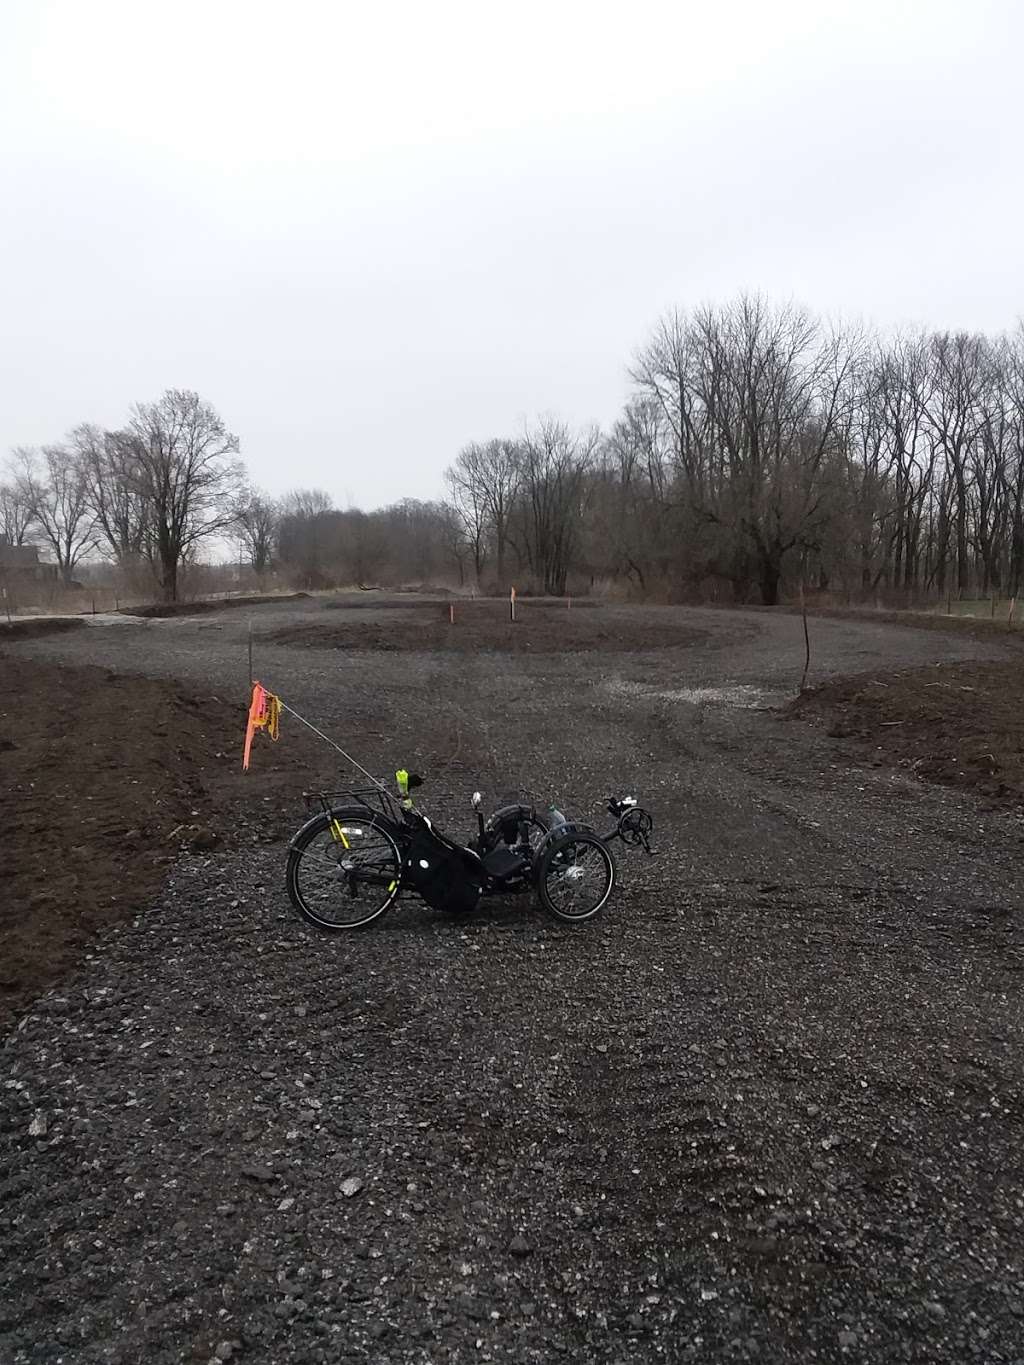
958 724
976 627
478 626
437 601
164 609
106 778
34 626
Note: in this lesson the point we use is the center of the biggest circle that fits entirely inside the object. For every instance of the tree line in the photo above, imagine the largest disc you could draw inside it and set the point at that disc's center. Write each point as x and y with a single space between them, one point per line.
776 446
761 447
148 494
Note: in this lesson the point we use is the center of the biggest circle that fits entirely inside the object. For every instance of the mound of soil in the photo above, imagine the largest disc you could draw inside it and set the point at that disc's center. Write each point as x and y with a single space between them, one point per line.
539 629
34 626
958 724
164 609
106 778
374 599
976 627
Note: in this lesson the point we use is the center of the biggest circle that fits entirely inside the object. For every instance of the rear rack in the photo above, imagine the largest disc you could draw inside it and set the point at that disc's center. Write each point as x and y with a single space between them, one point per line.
369 797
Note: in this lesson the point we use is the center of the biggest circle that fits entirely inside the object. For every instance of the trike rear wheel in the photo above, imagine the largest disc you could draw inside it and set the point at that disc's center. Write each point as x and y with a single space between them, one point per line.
344 870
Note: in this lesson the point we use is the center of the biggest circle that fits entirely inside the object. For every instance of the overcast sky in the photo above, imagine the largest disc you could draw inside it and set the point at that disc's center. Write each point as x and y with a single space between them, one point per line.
369 233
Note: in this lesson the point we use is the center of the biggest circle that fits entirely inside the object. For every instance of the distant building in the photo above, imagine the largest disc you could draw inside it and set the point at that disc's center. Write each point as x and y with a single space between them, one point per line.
20 564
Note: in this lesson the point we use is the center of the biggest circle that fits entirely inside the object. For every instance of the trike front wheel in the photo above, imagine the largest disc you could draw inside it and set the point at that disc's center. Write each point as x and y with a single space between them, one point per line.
575 876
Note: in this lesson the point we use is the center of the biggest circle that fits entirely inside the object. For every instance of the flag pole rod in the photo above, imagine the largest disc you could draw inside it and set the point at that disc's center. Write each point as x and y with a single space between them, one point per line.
327 739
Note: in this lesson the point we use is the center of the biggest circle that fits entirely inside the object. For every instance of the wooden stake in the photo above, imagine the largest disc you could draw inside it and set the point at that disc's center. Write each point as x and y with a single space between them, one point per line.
1009 617
807 638
451 613
512 605
250 655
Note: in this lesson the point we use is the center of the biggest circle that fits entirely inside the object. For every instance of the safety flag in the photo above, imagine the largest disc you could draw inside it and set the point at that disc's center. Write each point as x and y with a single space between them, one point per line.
264 714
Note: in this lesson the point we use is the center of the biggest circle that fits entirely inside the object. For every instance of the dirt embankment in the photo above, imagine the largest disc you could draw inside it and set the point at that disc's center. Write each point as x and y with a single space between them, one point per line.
541 627
958 724
31 627
105 778
161 610
994 630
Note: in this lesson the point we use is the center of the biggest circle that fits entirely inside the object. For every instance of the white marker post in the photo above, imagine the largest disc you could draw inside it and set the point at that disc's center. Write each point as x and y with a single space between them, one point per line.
512 606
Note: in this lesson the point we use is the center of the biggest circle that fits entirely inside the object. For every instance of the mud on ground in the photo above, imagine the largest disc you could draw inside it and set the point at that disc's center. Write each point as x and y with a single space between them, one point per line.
542 626
157 611
958 724
32 627
107 777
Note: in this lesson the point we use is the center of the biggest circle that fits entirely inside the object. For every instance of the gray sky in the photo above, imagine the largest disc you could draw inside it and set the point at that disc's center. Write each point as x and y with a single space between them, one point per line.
370 233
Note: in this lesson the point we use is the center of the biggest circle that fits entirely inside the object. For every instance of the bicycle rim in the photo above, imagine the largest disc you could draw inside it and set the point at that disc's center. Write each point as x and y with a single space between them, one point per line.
346 874
577 878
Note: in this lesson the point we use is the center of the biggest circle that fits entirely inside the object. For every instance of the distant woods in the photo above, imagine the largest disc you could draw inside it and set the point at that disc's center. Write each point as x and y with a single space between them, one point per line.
761 449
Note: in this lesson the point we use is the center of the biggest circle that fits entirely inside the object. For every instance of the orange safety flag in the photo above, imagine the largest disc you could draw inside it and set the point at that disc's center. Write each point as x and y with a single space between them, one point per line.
264 714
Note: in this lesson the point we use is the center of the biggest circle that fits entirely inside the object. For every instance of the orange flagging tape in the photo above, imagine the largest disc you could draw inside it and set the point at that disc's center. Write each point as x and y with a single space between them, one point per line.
264 714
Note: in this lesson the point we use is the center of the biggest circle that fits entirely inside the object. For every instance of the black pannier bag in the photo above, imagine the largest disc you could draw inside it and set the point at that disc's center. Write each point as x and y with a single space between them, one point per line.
445 875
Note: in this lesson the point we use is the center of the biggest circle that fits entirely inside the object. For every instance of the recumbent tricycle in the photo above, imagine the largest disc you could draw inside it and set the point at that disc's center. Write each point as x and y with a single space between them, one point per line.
363 848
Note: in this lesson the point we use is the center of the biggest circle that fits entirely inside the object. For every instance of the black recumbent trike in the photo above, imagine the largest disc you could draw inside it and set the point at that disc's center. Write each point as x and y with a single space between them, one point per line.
351 861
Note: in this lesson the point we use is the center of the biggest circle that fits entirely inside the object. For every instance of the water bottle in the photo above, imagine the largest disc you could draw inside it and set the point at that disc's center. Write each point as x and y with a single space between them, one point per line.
554 817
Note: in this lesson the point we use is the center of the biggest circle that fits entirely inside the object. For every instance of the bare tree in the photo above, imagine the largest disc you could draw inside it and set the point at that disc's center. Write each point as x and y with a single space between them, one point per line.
186 474
55 486
955 415
555 465
306 502
307 534
634 527
1014 381
903 377
469 499
257 517
116 491
485 481
758 400
501 472
363 545
453 538
15 512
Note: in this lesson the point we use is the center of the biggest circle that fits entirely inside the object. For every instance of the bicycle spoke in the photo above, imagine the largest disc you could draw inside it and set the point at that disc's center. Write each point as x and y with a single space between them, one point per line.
346 873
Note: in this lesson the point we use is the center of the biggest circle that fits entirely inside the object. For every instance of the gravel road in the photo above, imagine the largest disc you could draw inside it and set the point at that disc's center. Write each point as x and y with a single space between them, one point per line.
768 1107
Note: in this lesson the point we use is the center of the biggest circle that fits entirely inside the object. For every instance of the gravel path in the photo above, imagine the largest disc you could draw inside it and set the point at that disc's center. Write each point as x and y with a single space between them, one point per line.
768 1107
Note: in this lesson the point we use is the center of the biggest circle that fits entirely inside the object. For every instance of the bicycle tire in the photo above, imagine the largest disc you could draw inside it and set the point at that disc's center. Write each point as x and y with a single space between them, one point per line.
374 862
563 877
